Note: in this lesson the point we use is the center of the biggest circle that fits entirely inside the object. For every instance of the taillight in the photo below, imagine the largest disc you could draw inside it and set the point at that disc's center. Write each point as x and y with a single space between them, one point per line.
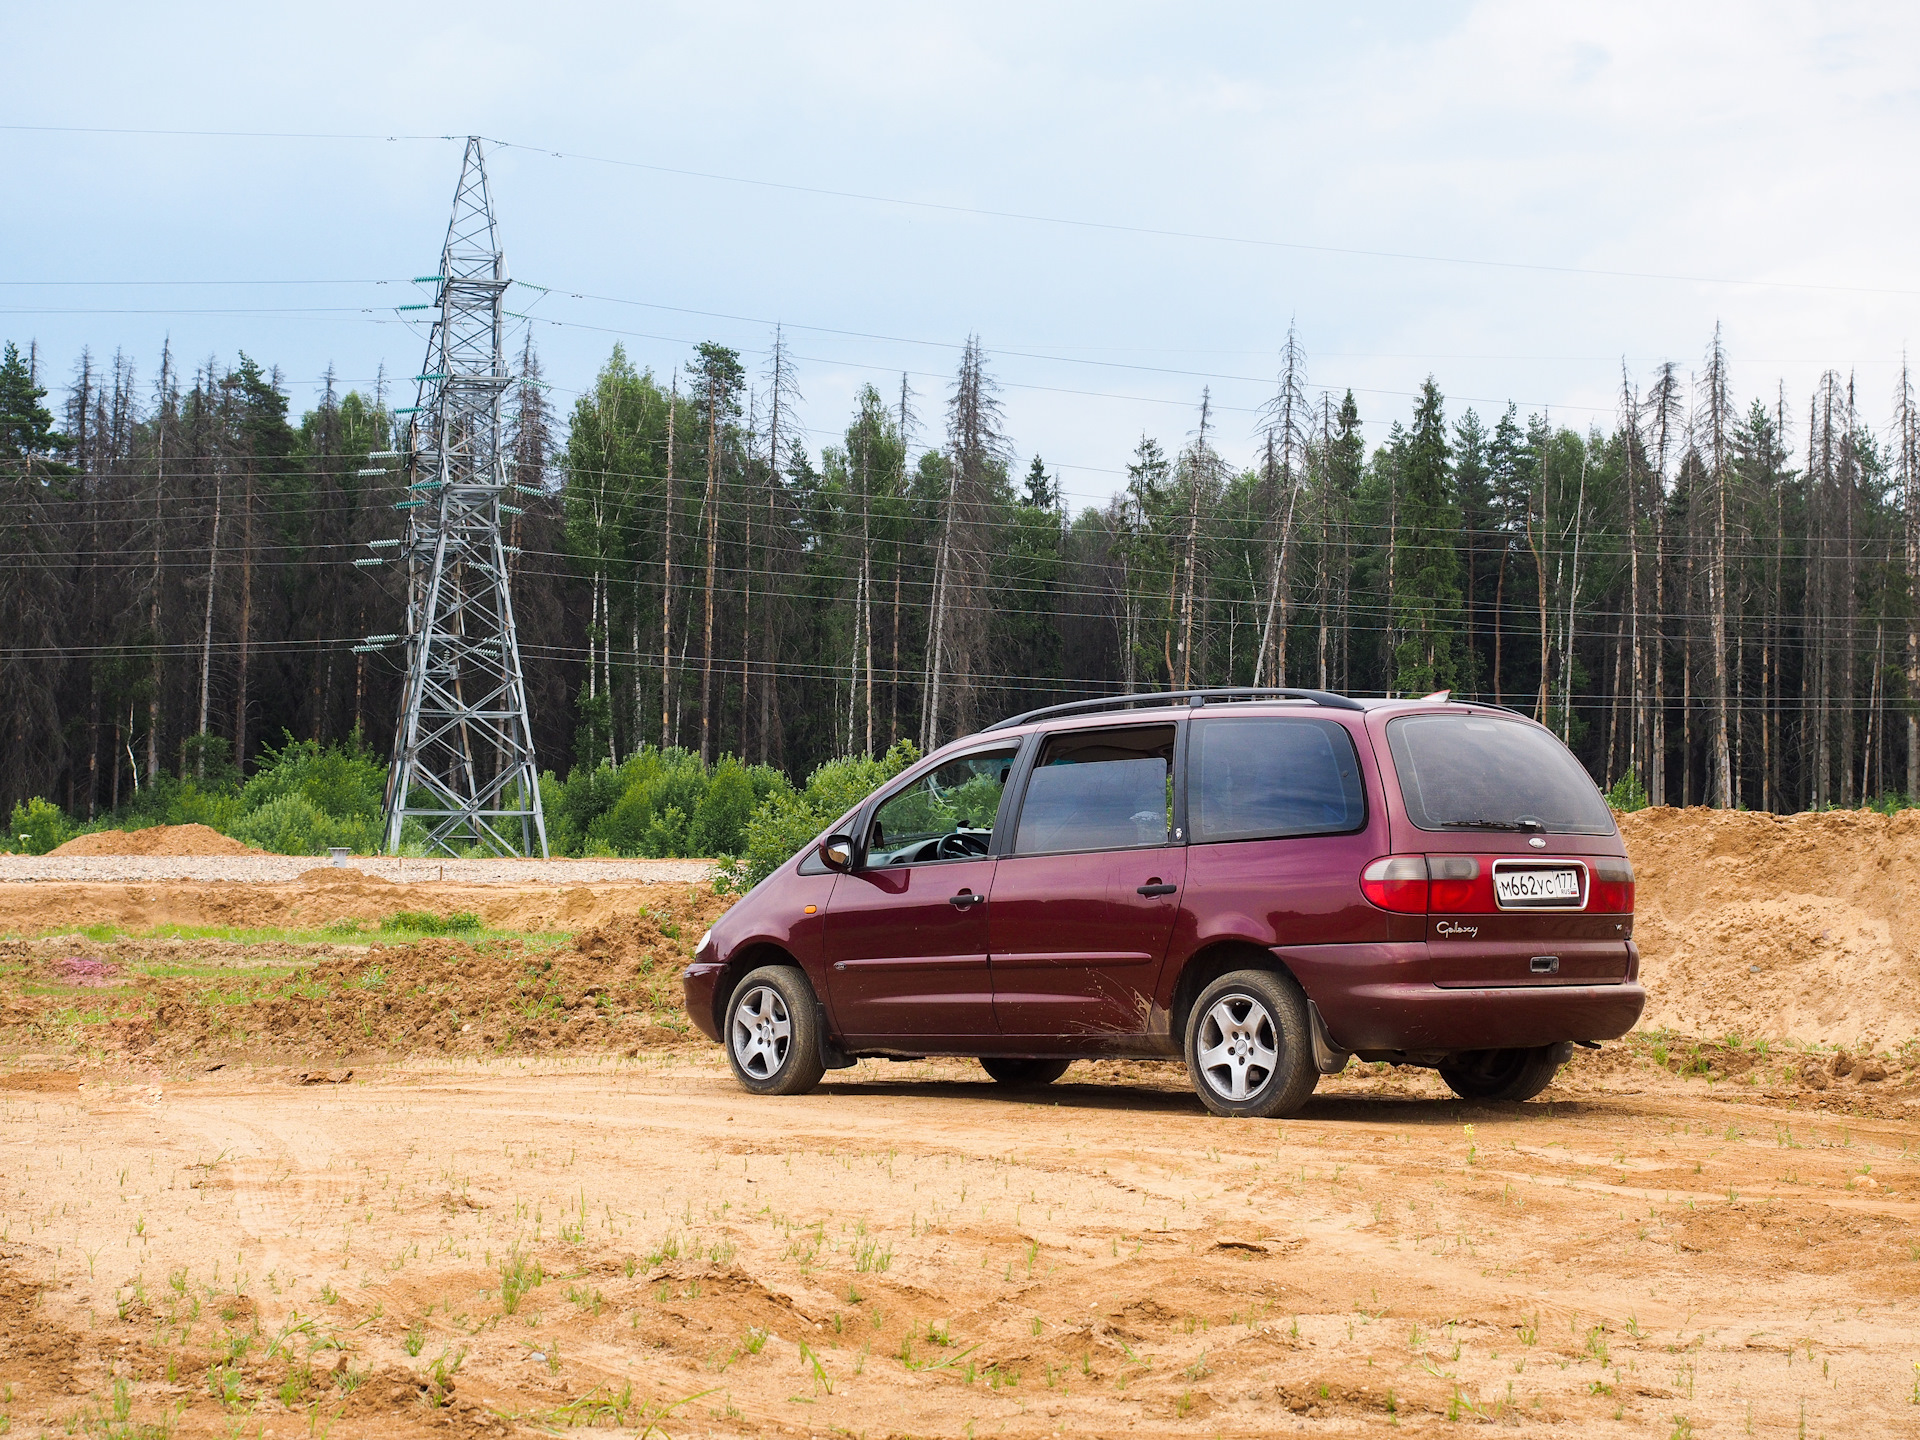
1612 887
1457 886
1397 882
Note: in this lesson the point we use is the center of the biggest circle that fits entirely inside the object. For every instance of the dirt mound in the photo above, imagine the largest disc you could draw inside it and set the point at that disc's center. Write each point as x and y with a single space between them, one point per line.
1766 926
156 840
616 987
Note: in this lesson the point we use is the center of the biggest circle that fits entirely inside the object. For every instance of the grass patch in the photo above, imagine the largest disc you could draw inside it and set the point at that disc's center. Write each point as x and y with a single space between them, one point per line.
464 926
421 922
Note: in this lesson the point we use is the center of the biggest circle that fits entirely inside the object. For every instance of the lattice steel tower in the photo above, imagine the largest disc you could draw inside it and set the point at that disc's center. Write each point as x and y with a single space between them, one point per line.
463 745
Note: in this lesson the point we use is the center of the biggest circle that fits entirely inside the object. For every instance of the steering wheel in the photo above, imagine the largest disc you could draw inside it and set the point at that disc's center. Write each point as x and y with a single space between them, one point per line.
960 846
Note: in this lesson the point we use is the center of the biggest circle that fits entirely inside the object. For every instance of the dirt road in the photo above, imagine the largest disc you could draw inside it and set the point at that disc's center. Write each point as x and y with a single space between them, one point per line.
494 1244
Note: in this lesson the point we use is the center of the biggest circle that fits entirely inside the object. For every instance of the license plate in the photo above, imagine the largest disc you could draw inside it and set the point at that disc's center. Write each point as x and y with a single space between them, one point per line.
1537 889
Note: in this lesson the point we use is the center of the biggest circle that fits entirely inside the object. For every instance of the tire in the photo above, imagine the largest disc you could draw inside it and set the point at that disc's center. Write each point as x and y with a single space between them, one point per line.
1248 1048
1009 1071
773 1032
1512 1075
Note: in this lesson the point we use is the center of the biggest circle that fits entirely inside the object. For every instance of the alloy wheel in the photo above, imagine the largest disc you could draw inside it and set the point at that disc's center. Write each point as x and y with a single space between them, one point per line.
1239 1046
762 1032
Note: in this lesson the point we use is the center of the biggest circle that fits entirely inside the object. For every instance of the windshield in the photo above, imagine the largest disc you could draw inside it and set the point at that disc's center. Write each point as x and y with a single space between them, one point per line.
1480 772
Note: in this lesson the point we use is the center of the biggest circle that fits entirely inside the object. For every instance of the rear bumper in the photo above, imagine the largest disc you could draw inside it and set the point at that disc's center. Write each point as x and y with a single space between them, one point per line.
698 981
1379 997
1425 1017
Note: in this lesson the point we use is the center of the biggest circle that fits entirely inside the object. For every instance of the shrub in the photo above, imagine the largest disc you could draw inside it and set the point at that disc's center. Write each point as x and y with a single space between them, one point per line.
720 820
345 782
168 801
39 826
291 824
1628 794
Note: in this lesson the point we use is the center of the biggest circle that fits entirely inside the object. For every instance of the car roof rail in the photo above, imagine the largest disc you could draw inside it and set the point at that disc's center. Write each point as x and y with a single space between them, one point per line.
1192 697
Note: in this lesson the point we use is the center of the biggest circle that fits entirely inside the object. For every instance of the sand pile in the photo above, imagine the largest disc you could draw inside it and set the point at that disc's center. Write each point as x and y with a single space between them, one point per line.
156 840
1802 926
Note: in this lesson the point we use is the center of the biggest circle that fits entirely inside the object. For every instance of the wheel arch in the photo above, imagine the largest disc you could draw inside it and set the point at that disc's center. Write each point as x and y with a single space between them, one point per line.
743 962
1208 964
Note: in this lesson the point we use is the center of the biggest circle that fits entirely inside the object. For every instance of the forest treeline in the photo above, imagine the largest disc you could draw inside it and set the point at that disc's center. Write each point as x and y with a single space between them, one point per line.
1709 597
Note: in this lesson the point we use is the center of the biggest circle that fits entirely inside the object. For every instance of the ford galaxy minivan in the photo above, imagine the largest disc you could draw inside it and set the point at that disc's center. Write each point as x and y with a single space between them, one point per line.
1262 883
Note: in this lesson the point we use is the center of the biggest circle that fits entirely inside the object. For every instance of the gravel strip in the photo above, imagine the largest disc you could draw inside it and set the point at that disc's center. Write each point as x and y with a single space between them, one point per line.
282 869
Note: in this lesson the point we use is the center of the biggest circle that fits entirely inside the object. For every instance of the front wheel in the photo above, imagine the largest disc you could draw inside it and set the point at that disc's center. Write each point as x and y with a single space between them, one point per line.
1248 1046
773 1032
1512 1075
1010 1071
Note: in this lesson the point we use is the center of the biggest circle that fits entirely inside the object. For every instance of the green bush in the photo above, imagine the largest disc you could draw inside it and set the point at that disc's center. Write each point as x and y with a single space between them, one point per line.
1628 794
345 782
39 826
654 783
657 803
720 820
291 824
787 820
170 800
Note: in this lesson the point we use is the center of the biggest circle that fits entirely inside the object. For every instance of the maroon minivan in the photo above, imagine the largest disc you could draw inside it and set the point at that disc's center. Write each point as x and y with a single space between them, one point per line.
1265 883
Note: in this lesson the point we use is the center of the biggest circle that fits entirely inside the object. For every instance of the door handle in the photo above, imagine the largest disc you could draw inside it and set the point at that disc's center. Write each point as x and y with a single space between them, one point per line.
966 898
1157 889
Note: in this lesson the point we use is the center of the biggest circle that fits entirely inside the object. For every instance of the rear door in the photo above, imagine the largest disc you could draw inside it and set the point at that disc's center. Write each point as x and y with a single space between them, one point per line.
1085 897
1524 855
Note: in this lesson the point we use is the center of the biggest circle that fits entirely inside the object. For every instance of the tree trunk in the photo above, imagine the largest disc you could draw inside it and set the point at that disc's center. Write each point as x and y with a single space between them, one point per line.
666 580
712 519
246 624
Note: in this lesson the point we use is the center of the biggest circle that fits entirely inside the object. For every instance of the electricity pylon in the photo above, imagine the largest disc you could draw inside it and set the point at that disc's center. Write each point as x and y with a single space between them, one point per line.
463 743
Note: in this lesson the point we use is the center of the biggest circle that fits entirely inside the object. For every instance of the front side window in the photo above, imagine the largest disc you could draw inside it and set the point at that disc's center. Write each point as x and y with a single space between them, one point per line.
1480 772
946 814
1265 777
1099 790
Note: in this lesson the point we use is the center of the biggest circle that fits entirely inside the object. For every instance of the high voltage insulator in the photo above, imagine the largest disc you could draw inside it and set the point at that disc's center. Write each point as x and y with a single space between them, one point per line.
463 744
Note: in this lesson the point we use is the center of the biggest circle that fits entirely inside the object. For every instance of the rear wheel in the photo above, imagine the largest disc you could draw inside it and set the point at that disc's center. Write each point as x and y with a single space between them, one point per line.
773 1032
1010 1071
1248 1047
1503 1074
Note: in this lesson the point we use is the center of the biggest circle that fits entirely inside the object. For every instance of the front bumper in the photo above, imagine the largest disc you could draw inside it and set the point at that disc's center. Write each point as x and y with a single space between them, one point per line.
698 981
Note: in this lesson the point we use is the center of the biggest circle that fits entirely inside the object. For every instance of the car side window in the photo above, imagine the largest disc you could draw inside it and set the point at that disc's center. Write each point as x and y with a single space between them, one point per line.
945 814
1099 790
1261 778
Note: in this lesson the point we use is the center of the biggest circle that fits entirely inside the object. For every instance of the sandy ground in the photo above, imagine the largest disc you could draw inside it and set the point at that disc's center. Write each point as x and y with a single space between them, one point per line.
355 1186
502 1245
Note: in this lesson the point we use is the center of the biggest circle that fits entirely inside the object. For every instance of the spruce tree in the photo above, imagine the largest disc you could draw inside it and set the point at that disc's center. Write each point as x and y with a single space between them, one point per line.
1426 600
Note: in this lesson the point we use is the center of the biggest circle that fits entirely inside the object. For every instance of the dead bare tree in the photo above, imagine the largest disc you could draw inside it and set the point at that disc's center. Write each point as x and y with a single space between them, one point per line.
1713 421
1286 418
1906 475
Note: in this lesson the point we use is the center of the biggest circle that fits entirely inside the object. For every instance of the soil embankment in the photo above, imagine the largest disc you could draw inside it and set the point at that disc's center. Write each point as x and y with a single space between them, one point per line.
169 840
1803 927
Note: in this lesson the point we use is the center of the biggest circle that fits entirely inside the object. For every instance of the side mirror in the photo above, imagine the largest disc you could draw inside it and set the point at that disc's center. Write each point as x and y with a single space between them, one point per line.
836 852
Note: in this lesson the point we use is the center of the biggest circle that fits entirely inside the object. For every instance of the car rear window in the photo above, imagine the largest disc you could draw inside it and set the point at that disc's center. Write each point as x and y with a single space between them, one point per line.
1099 790
1262 778
1469 772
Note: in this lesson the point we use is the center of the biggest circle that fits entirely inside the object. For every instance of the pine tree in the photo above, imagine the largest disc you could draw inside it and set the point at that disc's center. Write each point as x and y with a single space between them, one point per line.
1426 598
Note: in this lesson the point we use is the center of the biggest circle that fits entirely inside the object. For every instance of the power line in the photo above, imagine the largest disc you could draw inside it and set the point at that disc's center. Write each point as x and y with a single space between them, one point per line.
1021 216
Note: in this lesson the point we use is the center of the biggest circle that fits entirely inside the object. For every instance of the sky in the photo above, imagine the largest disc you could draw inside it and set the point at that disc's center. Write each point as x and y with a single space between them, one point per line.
1128 203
